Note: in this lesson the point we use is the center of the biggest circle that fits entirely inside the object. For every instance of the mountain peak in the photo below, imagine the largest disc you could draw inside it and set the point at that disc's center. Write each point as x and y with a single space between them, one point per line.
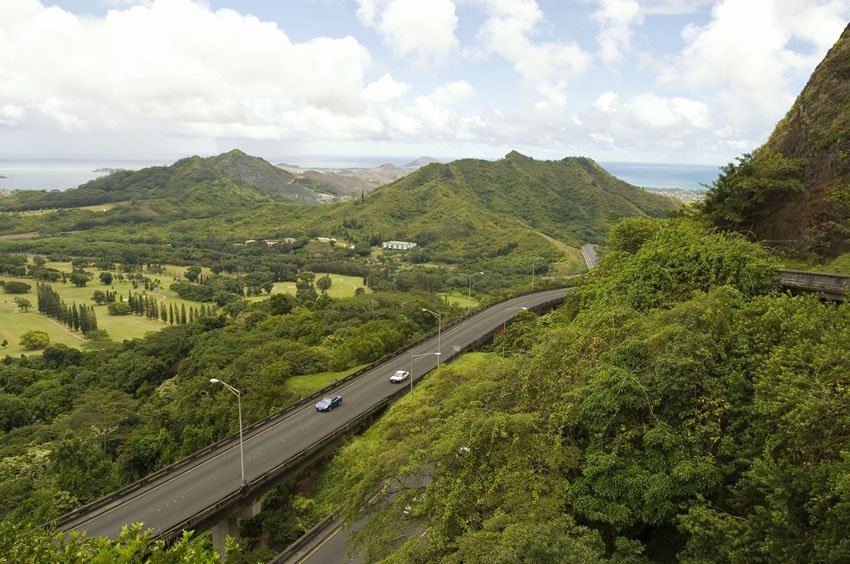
516 155
420 162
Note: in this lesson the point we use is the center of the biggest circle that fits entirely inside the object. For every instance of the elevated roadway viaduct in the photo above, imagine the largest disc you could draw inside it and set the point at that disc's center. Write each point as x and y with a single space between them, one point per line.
204 490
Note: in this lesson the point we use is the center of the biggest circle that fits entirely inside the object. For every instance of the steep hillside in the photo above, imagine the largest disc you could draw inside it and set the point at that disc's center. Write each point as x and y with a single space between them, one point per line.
795 190
570 200
261 174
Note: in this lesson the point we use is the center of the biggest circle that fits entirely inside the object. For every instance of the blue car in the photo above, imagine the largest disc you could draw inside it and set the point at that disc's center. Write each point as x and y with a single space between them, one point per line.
329 403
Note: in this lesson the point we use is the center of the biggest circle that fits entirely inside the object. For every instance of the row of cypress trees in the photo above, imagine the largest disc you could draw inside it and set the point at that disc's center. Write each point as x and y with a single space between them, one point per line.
79 318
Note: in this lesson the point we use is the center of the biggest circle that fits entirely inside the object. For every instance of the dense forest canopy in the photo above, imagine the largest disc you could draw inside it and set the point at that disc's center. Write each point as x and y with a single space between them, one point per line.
705 422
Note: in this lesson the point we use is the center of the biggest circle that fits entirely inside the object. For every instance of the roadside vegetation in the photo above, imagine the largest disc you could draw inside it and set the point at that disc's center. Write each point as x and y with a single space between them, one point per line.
677 407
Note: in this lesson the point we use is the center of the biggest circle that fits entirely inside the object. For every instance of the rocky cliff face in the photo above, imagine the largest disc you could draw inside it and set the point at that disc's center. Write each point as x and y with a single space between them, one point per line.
817 131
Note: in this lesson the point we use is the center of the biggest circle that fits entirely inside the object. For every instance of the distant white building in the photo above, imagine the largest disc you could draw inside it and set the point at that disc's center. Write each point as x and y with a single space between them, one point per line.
325 239
397 245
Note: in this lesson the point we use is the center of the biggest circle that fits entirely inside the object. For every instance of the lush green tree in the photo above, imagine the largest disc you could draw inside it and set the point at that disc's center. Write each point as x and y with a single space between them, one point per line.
58 355
23 304
280 304
304 290
675 259
105 278
14 412
78 278
192 273
15 287
742 193
31 543
34 340
119 308
324 283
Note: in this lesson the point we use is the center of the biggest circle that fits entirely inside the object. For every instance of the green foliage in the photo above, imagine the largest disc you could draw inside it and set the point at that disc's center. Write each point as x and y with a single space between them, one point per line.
659 264
324 283
119 308
33 340
747 191
28 543
14 287
23 304
713 427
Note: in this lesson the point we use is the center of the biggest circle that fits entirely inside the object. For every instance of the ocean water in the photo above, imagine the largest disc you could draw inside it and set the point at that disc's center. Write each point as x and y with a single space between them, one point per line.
64 174
57 174
662 175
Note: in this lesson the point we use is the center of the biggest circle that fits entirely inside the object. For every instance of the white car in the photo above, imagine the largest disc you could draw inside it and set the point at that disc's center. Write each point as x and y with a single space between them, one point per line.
399 376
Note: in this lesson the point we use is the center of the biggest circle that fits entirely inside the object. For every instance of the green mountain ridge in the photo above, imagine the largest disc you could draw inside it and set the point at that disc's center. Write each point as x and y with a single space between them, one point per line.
234 170
571 199
496 214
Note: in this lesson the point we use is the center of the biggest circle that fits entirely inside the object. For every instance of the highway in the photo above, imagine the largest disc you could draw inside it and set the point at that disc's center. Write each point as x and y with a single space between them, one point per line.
171 499
590 256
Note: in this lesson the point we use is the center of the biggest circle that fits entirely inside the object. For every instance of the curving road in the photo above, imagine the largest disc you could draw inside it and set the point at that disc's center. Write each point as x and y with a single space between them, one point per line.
171 499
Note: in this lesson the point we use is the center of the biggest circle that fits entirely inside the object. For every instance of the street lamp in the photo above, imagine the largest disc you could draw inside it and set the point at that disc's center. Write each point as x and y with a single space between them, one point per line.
469 291
414 356
238 395
532 271
439 331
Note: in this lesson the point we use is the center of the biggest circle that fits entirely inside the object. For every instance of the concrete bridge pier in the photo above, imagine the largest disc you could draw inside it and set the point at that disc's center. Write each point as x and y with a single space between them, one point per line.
229 526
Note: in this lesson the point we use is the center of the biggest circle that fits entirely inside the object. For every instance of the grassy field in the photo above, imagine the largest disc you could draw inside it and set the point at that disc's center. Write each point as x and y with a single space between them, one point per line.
341 287
14 323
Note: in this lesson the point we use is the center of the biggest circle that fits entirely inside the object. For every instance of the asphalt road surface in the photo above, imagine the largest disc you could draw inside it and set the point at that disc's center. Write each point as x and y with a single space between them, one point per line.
590 257
172 498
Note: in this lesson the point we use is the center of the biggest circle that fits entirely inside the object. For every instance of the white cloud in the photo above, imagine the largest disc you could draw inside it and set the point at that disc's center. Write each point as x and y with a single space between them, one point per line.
11 114
650 125
509 31
616 18
424 29
746 56
695 112
385 89
136 78
232 75
434 115
605 102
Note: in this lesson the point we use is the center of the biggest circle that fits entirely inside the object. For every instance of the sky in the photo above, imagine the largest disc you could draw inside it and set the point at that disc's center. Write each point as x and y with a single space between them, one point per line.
656 81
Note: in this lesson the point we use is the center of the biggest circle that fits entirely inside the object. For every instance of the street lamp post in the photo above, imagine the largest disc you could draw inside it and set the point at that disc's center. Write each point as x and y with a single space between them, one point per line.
238 395
415 356
469 291
532 271
439 331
